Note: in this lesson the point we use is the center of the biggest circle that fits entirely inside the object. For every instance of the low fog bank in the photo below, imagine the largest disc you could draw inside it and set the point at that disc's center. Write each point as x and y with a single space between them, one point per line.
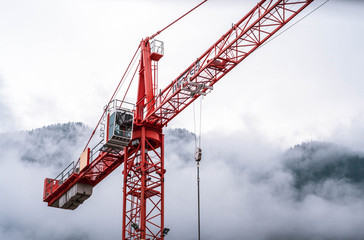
250 188
53 145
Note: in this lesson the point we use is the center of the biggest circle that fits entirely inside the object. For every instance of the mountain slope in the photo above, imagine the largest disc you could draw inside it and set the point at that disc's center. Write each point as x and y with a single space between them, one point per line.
311 191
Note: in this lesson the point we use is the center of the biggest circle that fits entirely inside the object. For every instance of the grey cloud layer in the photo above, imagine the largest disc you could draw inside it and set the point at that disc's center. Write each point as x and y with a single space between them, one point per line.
249 189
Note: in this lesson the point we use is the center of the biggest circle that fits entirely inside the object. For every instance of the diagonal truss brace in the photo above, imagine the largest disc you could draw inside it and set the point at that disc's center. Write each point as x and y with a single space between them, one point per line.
240 41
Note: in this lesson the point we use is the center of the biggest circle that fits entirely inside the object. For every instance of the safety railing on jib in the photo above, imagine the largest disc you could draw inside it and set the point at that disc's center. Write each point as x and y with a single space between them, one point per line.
52 185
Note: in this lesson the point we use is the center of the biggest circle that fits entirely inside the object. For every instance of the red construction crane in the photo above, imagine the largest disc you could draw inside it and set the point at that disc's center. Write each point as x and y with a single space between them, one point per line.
133 134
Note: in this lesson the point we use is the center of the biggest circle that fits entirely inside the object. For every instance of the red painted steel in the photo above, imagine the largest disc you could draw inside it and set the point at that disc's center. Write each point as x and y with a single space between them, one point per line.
233 47
143 191
143 215
145 87
94 173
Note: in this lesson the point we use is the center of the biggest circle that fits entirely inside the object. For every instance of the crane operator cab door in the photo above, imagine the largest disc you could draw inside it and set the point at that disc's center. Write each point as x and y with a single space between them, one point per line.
119 128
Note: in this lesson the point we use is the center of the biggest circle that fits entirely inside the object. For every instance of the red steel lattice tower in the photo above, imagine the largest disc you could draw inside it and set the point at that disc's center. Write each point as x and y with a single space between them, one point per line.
143 191
143 153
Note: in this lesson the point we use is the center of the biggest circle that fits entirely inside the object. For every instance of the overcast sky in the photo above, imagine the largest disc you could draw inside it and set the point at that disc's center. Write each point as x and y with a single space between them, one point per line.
60 61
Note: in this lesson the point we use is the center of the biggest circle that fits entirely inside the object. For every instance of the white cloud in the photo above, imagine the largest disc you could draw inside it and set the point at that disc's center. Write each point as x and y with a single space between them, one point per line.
246 191
62 60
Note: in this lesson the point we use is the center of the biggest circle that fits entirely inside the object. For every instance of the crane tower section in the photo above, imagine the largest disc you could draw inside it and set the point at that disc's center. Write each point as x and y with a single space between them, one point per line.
143 192
135 136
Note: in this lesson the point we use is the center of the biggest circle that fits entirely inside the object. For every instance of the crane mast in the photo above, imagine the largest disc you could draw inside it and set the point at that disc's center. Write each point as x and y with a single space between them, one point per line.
143 191
143 153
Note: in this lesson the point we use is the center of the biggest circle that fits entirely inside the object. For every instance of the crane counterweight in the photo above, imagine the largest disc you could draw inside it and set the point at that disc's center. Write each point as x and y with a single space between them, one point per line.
135 136
75 196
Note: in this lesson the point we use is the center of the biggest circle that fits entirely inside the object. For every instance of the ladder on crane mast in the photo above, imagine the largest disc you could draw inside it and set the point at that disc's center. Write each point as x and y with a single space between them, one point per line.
135 136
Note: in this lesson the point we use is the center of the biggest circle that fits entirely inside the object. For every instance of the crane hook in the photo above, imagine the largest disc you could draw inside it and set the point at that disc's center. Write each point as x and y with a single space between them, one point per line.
198 154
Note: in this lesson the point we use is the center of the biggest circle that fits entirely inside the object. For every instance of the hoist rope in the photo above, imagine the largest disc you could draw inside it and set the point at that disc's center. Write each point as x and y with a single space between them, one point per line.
194 124
197 135
131 81
200 136
112 97
131 63
157 33
127 74
198 159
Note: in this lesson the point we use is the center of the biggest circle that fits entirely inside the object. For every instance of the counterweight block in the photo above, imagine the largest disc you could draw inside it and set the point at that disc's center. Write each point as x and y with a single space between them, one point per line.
75 196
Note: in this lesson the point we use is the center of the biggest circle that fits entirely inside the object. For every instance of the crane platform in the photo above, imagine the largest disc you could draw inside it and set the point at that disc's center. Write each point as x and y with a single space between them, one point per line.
135 137
74 184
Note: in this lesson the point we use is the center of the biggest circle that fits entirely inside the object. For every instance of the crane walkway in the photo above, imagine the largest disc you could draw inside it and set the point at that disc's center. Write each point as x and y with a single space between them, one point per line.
74 184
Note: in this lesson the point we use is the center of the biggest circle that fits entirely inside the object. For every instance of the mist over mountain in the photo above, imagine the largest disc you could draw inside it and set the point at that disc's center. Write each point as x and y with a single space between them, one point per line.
325 170
180 144
53 145
313 190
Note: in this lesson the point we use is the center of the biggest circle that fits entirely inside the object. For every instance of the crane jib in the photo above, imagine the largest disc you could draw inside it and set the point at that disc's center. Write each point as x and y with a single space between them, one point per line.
186 76
233 47
140 144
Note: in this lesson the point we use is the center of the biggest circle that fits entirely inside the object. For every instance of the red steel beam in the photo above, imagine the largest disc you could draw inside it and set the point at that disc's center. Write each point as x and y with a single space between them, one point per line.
143 205
143 192
263 21
94 173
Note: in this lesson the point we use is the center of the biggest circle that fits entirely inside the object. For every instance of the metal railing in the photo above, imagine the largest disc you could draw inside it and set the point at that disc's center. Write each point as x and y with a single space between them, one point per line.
157 46
54 184
95 151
